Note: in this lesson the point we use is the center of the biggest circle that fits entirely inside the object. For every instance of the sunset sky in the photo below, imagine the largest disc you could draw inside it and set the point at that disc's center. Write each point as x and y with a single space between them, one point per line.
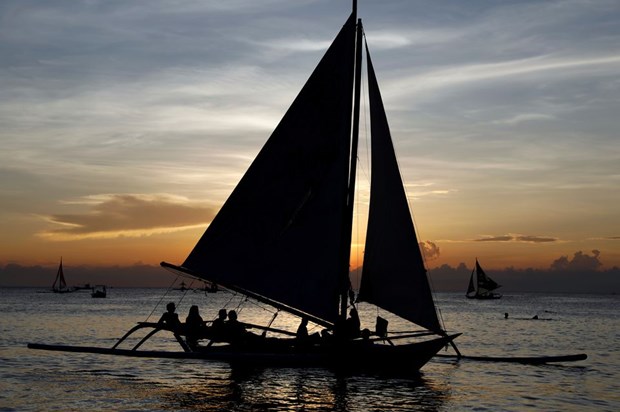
126 124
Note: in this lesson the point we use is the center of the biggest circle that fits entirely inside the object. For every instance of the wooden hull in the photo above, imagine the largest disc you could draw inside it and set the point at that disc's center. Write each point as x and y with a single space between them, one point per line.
403 358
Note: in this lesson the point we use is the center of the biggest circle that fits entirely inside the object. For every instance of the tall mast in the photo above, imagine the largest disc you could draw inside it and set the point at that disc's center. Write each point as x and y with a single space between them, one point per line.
346 283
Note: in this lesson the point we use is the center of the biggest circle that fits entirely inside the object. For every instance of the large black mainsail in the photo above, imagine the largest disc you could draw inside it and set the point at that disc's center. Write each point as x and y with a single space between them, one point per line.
279 234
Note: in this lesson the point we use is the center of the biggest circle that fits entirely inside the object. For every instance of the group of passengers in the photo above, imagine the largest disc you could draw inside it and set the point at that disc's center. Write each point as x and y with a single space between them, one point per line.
227 328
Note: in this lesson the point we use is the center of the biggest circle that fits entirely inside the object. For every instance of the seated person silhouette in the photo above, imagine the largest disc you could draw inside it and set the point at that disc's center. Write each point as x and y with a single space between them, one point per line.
170 318
218 325
302 330
234 330
194 326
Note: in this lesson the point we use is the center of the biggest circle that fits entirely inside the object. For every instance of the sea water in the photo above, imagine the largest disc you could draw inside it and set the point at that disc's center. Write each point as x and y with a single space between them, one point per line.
33 380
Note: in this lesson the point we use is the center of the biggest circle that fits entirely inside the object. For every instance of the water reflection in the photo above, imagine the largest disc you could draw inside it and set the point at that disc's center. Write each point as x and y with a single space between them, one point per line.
306 389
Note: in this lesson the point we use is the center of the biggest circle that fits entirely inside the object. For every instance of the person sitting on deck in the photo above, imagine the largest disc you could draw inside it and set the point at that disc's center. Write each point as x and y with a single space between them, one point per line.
221 318
217 331
301 336
170 318
234 330
194 326
302 330
193 319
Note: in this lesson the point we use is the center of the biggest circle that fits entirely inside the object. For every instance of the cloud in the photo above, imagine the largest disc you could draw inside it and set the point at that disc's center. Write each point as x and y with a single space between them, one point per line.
430 250
298 45
524 117
544 67
115 215
504 238
517 238
579 262
393 39
535 239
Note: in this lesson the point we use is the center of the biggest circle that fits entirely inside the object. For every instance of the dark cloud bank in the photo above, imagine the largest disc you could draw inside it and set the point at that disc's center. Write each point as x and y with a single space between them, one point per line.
579 274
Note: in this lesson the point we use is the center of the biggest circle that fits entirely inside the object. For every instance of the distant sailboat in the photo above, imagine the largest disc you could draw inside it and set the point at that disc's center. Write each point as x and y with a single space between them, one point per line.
60 284
481 286
183 287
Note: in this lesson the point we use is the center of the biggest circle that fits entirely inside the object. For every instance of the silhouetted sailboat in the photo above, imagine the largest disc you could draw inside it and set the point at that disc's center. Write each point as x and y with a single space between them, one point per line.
99 291
283 237
292 251
60 284
481 286
183 287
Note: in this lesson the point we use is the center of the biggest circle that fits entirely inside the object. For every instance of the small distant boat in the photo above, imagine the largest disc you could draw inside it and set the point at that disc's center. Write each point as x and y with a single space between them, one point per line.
183 287
85 286
99 291
481 286
208 288
60 284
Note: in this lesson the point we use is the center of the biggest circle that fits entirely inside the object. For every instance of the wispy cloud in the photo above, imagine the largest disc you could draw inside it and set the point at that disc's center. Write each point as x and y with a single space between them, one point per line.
524 117
504 238
535 239
517 238
466 74
134 215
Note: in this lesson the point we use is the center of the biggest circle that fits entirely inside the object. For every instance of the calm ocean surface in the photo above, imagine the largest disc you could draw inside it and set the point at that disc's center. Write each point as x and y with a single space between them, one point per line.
33 380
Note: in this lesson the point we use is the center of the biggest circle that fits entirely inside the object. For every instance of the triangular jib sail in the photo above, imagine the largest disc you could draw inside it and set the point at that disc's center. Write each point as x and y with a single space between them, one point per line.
393 277
279 234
